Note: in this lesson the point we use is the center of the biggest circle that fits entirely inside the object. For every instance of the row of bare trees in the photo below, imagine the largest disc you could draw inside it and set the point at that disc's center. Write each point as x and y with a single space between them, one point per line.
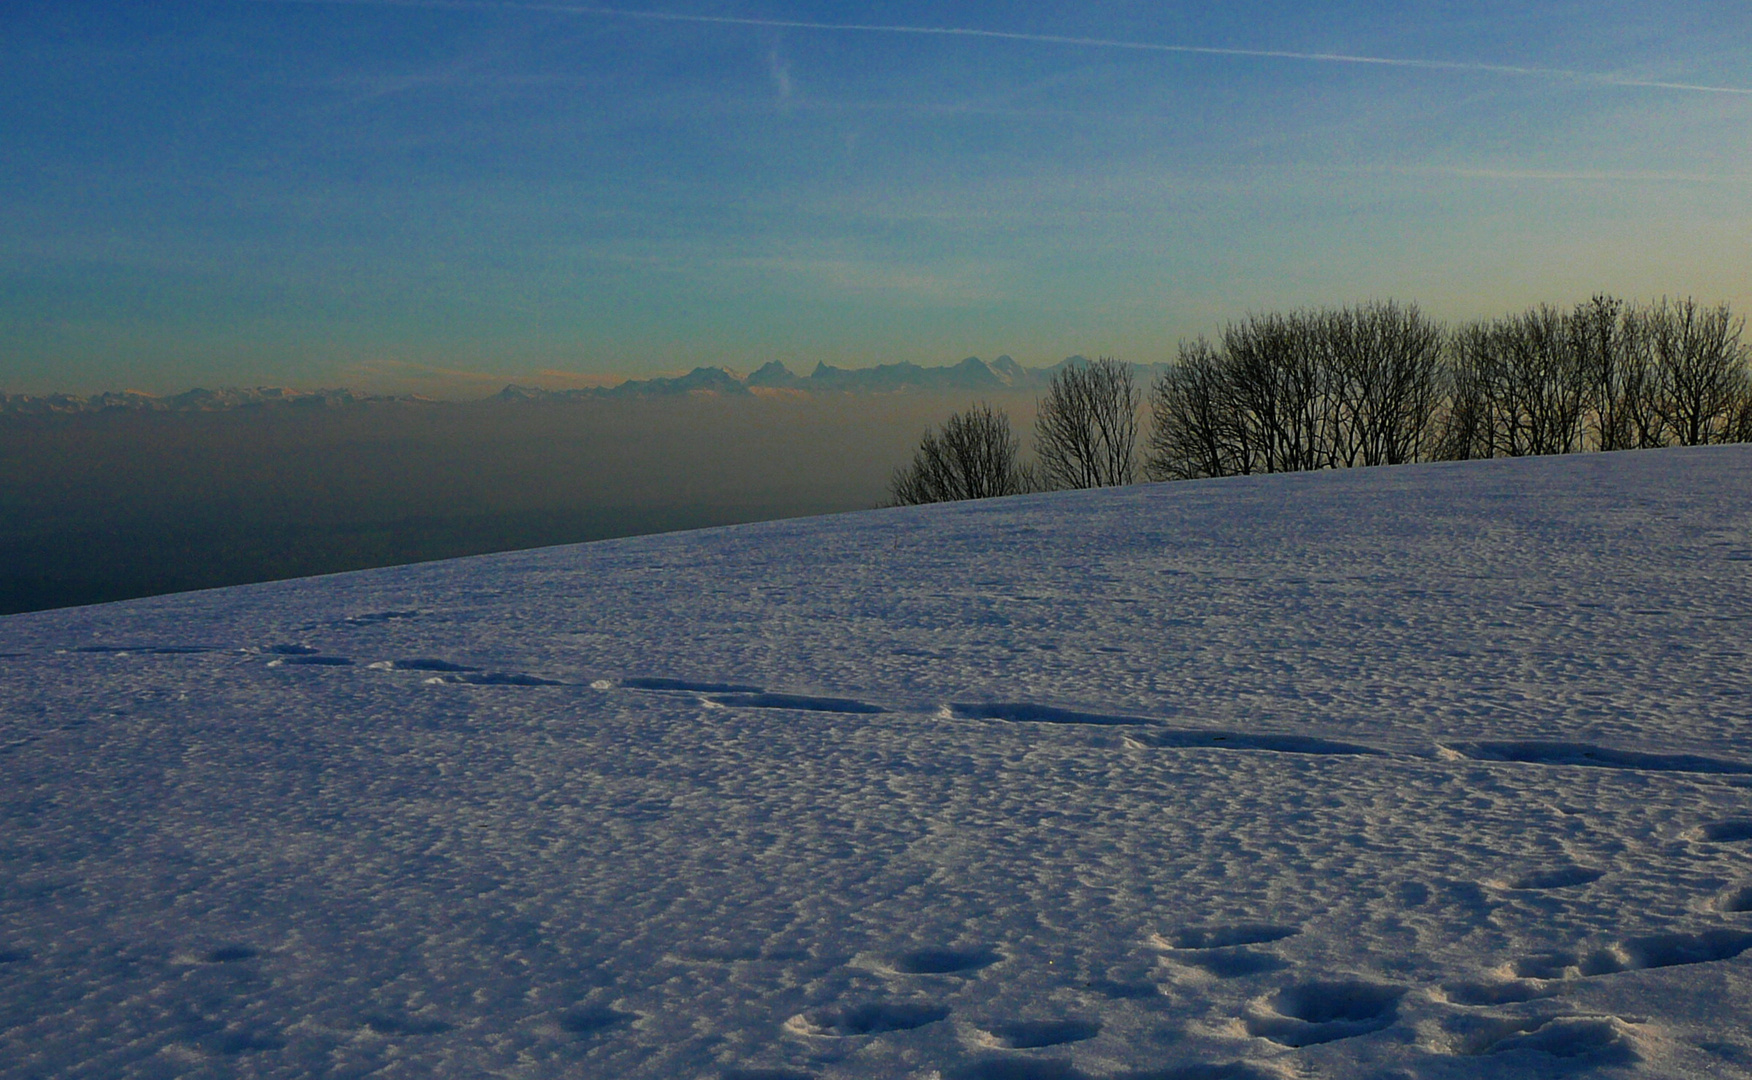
1383 385
1379 384
1085 435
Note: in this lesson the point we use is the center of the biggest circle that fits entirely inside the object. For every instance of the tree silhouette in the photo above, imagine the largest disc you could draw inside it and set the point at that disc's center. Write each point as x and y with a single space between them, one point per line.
973 457
1086 431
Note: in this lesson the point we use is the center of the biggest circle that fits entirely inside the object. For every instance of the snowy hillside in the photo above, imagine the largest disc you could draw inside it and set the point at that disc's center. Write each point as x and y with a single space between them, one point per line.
1435 771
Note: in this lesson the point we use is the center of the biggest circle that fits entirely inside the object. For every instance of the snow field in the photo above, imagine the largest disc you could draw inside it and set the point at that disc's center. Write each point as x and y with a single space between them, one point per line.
1433 771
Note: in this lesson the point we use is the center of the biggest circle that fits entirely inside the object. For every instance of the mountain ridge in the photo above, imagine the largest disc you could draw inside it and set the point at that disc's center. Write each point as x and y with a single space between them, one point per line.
968 374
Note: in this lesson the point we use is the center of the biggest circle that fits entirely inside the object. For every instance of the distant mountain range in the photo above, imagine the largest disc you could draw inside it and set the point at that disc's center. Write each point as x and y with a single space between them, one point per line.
971 374
196 400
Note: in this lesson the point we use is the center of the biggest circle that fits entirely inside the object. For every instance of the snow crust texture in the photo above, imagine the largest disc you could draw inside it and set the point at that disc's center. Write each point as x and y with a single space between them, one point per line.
1435 771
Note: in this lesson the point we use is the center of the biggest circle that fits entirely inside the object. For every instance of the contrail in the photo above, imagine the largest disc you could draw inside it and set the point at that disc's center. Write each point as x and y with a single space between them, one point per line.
1057 39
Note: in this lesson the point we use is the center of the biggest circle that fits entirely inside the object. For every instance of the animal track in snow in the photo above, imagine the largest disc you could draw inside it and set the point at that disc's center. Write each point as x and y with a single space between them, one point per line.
643 683
1223 936
1013 1068
1228 1070
153 650
1556 877
213 1037
1323 1011
1636 954
944 961
1188 739
1024 712
1496 993
591 1021
1028 713
421 663
1726 832
799 702
387 1024
871 1018
1735 900
1220 950
1039 1034
1600 757
1600 1038
1231 963
493 678
1008 1068
372 617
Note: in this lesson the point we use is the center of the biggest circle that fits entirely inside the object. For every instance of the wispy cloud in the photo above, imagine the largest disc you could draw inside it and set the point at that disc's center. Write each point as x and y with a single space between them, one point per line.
780 72
1413 63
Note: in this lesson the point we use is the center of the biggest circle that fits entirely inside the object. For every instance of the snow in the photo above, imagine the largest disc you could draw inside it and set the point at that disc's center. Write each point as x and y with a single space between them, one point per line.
1433 771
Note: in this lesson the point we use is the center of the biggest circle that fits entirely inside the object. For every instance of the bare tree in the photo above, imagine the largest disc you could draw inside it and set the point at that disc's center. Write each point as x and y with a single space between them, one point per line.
1520 388
1544 389
1279 385
1086 430
1196 429
1699 370
1309 390
1465 426
974 457
1383 375
1603 334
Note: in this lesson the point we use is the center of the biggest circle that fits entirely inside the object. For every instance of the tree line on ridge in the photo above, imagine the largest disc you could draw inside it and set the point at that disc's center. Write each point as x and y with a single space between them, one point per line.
1376 384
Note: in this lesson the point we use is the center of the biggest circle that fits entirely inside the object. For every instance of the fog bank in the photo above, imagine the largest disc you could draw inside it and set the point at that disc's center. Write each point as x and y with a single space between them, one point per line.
106 506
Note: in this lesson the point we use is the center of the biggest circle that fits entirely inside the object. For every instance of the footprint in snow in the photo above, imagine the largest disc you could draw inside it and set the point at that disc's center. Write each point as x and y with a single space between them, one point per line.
133 650
1023 712
1555 877
393 1024
1590 756
1039 1034
590 1021
1635 954
1222 950
492 678
690 685
1734 900
1724 832
870 1018
374 617
1599 1040
1224 935
1011 1068
1018 1068
421 663
1321 1011
798 702
1508 992
944 961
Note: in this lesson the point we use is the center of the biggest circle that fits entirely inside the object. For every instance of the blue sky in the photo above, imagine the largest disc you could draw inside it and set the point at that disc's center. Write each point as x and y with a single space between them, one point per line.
442 197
